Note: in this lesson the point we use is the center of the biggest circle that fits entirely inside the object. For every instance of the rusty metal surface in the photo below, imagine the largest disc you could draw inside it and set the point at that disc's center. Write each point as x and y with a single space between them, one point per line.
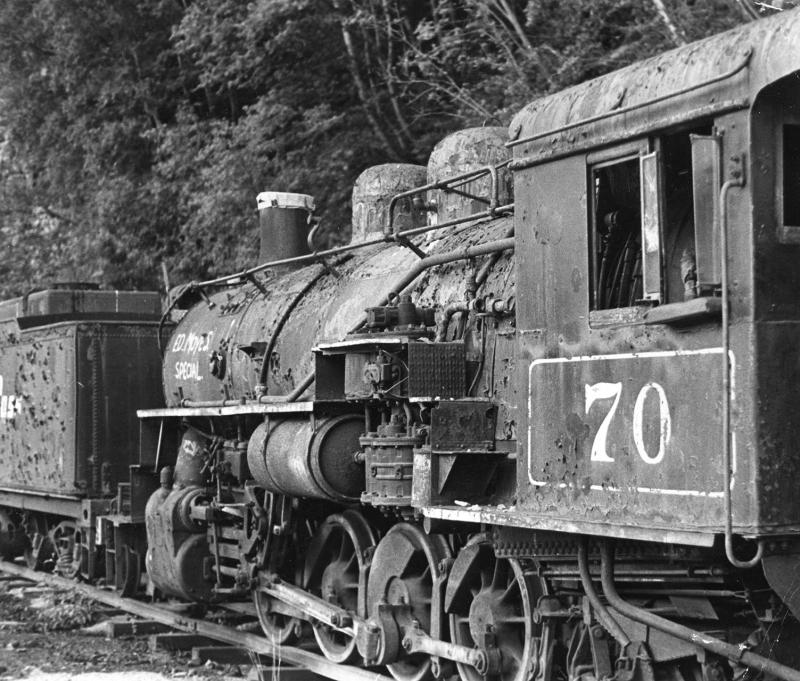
243 320
626 438
67 412
372 195
462 152
178 555
555 323
241 323
300 458
49 305
773 43
512 517
389 467
462 426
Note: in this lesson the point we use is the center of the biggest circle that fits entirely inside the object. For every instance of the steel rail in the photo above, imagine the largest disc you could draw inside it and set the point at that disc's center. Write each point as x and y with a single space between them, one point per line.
257 644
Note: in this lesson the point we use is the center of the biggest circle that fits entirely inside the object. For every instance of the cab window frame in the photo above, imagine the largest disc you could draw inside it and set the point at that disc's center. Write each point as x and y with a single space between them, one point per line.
631 151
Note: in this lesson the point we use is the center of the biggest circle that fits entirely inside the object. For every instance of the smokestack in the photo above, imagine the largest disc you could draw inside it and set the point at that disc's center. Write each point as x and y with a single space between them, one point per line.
283 224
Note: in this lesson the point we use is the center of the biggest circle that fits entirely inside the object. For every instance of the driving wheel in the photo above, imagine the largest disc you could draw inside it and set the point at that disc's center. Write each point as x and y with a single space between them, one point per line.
336 567
405 574
490 601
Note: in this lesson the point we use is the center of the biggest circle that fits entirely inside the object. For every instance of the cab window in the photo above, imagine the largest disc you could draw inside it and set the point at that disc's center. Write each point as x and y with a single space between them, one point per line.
644 248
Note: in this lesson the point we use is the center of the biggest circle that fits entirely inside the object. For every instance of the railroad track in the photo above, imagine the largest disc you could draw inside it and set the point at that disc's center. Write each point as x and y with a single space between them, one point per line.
256 644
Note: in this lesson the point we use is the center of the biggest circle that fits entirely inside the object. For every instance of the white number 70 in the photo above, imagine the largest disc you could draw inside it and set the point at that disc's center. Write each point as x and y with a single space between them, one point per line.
607 391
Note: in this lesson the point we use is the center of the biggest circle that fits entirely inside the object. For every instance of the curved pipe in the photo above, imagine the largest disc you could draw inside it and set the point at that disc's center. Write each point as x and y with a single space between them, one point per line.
287 311
301 388
447 314
464 253
733 652
726 382
605 618
483 272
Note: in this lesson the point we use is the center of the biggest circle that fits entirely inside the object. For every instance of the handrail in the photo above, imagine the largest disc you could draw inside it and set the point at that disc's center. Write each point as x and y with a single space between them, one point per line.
737 181
491 170
312 257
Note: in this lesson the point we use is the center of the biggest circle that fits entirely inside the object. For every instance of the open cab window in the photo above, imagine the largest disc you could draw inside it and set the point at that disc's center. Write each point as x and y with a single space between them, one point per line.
653 229
616 262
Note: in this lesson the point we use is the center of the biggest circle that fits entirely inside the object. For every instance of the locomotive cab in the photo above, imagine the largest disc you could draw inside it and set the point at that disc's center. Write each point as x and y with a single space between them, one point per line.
657 285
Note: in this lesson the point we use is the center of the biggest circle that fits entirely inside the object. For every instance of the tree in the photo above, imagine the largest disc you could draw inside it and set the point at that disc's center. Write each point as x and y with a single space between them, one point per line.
139 132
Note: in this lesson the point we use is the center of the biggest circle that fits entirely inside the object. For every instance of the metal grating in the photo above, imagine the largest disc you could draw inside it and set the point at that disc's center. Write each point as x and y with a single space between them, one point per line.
436 370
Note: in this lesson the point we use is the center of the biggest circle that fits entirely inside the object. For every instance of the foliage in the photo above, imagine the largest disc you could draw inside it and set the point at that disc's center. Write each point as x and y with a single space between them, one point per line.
63 611
138 132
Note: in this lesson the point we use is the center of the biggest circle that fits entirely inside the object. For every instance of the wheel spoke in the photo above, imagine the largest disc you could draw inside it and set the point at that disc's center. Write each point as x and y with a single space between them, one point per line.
486 577
513 619
342 546
511 590
499 575
500 595
350 562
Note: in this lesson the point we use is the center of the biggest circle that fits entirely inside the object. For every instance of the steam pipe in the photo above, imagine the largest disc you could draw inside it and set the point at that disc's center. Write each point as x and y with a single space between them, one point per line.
605 618
483 272
464 253
418 268
733 652
287 311
488 305
300 389
447 314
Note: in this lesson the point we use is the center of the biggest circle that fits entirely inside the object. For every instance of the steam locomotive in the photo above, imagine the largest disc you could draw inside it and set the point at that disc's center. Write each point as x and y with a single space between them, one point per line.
535 421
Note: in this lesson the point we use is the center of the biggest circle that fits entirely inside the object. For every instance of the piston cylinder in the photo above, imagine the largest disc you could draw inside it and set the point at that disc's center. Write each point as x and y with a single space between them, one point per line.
301 458
178 560
283 224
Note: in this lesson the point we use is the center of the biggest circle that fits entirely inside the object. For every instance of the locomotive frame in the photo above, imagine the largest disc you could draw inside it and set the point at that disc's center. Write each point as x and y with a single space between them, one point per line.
488 438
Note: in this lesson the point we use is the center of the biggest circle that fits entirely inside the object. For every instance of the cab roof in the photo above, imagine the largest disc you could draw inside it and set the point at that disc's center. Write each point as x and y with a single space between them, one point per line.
722 73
